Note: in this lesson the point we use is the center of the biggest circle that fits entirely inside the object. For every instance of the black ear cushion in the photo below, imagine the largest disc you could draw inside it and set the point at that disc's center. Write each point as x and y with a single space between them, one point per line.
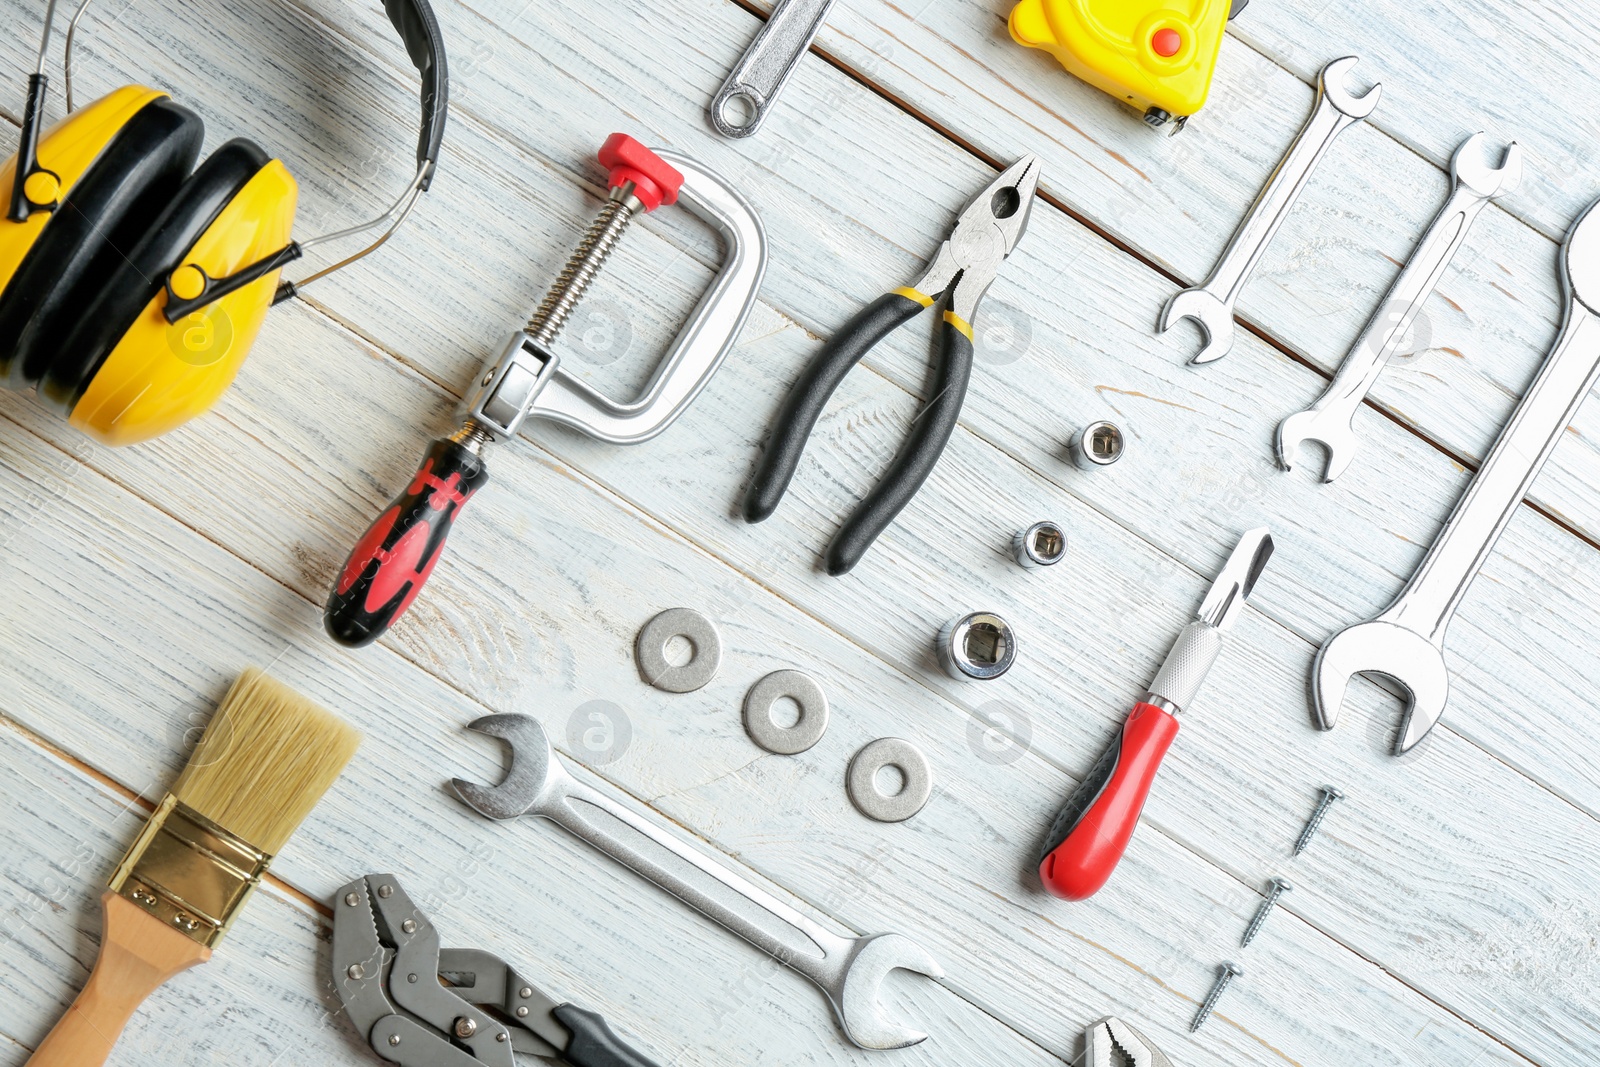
104 313
97 224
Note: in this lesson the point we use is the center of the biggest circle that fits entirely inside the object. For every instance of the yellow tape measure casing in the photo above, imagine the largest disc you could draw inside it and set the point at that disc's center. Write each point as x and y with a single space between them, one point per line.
1150 55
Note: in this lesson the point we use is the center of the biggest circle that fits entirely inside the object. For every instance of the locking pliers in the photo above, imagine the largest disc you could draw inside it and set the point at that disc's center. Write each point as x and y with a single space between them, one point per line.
390 974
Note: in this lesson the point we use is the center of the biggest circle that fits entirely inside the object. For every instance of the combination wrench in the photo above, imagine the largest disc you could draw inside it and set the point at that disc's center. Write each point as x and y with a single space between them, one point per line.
850 970
766 65
1406 642
1331 419
1211 304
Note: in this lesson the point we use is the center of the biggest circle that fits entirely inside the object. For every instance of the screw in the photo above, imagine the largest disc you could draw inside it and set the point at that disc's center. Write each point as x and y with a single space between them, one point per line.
1279 888
1227 974
1329 795
466 1027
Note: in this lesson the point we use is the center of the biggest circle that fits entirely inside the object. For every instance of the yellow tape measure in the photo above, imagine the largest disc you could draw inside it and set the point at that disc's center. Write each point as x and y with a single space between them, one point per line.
1157 55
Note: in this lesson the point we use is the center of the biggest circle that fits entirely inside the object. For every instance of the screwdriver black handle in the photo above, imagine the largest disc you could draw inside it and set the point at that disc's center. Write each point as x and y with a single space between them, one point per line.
594 1043
389 565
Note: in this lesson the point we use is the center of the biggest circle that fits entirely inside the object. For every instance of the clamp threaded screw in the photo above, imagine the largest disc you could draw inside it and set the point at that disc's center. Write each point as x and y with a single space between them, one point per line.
1329 795
582 266
1279 888
1227 974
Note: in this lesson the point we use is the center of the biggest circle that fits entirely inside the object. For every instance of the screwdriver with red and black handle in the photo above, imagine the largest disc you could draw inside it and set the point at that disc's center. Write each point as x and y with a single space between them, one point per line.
1094 828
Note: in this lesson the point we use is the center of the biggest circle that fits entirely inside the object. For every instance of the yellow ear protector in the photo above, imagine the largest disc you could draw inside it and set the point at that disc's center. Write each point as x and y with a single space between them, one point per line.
133 282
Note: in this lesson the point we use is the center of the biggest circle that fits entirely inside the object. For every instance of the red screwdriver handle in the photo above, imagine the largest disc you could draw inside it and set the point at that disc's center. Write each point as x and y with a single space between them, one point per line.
1090 835
389 565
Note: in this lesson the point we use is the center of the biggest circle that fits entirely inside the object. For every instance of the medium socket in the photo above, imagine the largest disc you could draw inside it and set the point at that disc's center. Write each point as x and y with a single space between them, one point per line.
979 646
1100 444
1044 544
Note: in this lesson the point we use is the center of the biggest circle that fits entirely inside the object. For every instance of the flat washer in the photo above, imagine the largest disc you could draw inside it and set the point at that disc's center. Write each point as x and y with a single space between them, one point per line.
651 650
862 779
786 740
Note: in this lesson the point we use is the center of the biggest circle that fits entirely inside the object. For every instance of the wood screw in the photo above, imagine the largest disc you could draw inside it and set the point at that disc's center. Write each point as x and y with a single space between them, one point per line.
1228 973
1279 888
1329 795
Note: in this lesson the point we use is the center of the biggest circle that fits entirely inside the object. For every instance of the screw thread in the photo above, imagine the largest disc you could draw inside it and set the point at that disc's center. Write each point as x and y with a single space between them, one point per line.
1262 912
1211 998
581 268
1313 823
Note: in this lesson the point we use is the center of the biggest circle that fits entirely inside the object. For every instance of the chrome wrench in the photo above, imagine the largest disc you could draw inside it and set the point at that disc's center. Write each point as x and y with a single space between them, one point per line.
850 970
1406 642
1331 419
760 74
1211 304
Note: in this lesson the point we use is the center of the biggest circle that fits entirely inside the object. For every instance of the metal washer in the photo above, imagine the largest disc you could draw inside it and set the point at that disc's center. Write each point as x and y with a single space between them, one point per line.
786 740
651 650
862 779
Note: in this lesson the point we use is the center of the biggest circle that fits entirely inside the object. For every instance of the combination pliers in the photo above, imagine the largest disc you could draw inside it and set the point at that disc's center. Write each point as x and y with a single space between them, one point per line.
967 262
391 976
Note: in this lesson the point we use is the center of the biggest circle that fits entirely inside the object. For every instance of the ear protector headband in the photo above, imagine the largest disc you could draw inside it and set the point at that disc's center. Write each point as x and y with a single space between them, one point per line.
132 280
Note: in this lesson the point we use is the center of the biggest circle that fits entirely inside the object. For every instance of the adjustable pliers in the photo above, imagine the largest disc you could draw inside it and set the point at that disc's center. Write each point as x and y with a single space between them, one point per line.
984 235
390 974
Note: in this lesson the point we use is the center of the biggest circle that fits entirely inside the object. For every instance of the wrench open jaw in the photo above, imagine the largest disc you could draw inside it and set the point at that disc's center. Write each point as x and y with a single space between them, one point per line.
849 970
1330 421
1211 304
1400 654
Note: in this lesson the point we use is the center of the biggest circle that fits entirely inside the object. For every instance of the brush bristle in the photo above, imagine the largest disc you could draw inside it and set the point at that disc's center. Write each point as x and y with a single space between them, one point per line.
265 760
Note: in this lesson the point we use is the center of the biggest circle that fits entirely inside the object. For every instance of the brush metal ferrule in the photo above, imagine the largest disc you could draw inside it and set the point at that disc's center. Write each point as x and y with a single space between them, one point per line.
189 872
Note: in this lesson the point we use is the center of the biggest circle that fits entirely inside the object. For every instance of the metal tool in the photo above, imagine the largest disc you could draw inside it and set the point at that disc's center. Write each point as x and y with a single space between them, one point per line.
1331 419
1313 824
650 650
980 646
1406 641
387 971
1044 544
1097 445
1111 1042
807 730
861 780
850 970
1225 975
1212 303
388 566
1280 886
741 105
1092 831
967 262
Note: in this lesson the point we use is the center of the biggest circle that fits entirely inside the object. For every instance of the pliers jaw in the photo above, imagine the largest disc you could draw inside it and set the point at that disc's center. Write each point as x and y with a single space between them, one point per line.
985 233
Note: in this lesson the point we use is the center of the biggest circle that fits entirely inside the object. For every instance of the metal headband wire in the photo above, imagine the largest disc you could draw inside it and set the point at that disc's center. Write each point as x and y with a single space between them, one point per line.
398 211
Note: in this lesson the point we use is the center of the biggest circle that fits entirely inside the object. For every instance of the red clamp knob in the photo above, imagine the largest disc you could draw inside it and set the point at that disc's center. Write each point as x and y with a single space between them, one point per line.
654 181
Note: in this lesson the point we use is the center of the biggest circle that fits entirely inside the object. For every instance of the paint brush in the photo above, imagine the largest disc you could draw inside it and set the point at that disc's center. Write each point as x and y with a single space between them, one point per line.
266 758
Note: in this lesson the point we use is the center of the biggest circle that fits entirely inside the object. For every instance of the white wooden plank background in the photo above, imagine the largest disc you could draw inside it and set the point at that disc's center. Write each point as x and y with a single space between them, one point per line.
1445 916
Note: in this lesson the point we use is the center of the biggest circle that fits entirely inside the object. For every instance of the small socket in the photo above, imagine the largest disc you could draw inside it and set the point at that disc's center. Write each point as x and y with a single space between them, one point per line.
1100 444
1044 544
978 646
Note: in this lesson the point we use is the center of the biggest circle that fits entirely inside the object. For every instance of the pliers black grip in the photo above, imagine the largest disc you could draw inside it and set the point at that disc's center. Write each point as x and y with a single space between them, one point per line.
983 236
920 453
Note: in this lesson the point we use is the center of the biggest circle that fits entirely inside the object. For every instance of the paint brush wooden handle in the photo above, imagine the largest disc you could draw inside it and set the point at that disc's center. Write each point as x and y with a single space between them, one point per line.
138 952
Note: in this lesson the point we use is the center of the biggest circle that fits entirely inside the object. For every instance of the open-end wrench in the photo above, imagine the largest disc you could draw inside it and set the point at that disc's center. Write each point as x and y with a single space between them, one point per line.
1211 304
1406 642
1331 419
850 970
761 73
